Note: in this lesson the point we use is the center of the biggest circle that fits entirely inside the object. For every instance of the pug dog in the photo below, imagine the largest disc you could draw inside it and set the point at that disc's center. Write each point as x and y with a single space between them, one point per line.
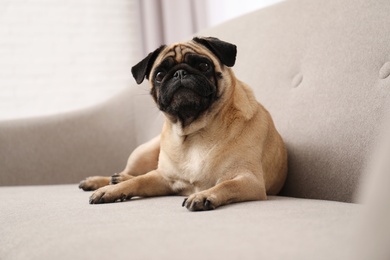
218 145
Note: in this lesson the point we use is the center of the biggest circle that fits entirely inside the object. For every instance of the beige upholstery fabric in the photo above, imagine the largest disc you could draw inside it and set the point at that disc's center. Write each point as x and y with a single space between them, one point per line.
67 148
374 225
61 225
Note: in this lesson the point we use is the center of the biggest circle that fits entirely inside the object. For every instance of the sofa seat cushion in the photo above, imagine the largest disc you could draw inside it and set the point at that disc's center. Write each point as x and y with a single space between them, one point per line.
56 222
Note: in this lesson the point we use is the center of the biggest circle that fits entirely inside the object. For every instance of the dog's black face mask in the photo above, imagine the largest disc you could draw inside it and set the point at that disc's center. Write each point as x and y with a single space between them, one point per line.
184 88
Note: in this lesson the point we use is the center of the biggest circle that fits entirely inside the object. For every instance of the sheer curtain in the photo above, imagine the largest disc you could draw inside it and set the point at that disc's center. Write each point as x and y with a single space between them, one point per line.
168 21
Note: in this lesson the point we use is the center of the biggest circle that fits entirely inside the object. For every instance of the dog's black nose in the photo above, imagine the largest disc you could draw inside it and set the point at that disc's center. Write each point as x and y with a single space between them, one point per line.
180 74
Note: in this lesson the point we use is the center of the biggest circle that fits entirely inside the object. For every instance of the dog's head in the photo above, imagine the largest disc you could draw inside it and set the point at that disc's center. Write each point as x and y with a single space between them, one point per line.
188 78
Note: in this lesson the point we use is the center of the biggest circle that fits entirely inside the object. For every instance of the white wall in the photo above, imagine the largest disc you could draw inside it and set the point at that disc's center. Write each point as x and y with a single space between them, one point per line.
222 10
59 55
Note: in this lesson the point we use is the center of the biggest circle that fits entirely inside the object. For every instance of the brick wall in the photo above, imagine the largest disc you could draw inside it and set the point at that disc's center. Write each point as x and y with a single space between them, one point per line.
59 55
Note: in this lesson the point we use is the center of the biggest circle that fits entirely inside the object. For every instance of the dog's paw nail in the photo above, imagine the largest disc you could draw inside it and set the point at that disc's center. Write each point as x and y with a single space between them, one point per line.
81 184
115 179
199 203
96 198
123 198
194 205
208 205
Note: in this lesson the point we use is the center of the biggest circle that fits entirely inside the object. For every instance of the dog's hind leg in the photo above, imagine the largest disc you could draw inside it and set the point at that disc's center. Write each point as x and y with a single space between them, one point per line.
142 160
94 183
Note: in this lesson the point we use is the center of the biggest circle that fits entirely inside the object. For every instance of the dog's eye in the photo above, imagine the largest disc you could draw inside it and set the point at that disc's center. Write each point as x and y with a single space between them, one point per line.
159 76
203 67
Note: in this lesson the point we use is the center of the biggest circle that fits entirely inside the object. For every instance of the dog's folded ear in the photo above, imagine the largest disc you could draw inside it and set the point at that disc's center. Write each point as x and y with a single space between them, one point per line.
226 52
142 69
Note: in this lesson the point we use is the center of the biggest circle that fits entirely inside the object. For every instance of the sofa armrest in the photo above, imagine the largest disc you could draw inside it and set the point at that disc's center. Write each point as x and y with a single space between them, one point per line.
68 147
374 233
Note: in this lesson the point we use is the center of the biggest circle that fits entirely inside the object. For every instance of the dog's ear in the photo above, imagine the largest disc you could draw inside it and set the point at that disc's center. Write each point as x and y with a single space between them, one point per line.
226 52
142 69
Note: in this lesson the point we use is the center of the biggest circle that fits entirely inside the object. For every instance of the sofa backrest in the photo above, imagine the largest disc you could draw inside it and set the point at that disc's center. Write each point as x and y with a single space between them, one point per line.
322 70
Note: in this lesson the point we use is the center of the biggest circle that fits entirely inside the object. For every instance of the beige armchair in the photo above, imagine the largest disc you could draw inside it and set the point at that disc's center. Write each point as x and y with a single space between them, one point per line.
322 70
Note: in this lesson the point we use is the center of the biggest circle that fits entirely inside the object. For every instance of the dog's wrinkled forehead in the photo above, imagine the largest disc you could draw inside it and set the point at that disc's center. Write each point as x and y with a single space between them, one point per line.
178 52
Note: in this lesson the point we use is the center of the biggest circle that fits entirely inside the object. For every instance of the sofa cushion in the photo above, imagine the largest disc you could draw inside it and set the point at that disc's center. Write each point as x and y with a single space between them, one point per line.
322 70
56 222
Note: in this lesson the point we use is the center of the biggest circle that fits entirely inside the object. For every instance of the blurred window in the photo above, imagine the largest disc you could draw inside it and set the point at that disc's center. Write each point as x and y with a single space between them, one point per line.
60 55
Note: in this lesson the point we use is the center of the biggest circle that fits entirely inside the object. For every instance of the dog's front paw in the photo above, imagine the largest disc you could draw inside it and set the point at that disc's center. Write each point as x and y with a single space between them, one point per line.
199 201
106 194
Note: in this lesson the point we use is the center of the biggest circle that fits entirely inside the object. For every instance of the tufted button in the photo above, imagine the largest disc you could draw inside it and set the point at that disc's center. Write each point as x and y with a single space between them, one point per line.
384 72
297 80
